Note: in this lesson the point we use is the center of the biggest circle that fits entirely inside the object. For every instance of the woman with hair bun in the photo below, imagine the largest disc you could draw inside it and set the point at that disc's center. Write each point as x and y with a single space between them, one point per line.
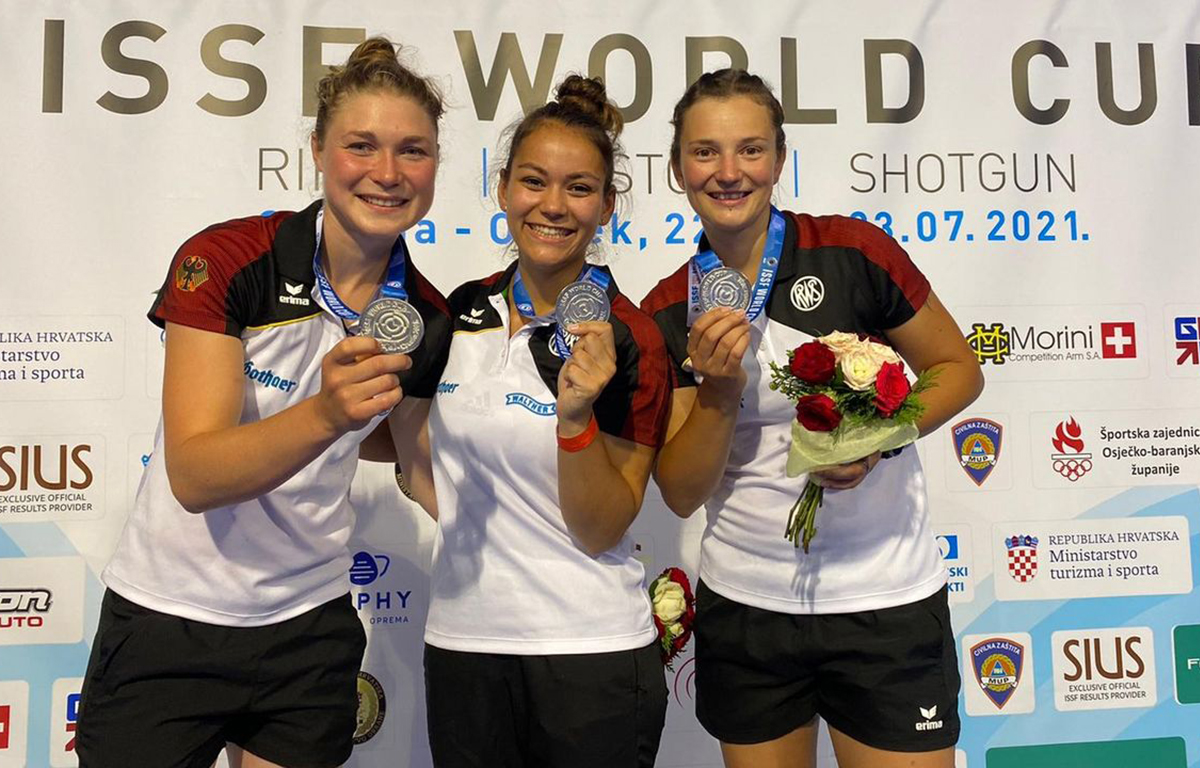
857 630
540 647
227 617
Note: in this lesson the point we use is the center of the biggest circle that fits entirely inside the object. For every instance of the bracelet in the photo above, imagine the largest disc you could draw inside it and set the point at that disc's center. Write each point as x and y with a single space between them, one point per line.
582 440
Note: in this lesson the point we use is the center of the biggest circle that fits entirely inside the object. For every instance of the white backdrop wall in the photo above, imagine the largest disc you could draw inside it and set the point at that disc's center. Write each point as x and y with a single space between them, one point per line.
1038 159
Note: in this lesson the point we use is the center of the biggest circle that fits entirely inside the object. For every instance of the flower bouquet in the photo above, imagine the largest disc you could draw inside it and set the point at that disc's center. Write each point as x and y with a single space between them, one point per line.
852 399
674 609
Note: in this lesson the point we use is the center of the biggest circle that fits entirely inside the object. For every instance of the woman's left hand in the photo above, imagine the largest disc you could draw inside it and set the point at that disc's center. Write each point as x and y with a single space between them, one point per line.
584 375
842 477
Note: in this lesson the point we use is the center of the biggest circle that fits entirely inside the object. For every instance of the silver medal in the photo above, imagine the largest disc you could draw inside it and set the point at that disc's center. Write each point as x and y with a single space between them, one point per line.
724 287
394 323
581 302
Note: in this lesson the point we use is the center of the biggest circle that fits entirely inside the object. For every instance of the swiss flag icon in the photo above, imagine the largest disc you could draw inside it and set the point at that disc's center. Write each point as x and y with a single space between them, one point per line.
1118 340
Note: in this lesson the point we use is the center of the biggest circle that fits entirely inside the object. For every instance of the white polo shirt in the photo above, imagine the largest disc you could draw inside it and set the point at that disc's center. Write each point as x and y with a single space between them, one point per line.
507 575
874 547
274 557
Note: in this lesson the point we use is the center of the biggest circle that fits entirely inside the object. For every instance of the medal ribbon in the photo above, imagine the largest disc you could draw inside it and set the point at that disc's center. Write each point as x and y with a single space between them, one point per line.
393 281
562 344
706 261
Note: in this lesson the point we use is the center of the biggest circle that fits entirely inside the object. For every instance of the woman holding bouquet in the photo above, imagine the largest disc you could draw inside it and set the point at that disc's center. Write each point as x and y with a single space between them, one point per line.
857 630
540 647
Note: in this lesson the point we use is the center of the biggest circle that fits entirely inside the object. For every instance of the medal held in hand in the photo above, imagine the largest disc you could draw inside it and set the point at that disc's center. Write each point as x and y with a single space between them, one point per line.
724 287
581 302
394 323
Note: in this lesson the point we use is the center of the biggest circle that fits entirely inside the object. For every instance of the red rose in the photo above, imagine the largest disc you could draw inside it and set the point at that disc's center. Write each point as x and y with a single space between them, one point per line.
891 387
813 363
818 413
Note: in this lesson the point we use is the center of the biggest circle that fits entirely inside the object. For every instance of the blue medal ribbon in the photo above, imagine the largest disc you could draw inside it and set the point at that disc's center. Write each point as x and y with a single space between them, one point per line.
706 261
562 340
393 281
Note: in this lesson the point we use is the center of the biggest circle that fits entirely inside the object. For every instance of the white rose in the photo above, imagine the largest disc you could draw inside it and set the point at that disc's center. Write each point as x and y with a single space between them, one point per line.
859 368
882 352
841 343
669 602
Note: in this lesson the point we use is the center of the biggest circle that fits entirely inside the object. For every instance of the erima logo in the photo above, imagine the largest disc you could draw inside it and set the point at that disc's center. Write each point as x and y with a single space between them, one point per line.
293 295
929 724
475 318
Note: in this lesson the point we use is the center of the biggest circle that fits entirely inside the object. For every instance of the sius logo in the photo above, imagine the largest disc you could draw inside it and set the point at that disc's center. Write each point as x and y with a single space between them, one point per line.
530 404
49 473
291 295
446 388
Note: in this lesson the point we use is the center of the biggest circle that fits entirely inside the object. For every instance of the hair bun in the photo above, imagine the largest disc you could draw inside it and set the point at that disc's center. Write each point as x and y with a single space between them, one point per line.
588 95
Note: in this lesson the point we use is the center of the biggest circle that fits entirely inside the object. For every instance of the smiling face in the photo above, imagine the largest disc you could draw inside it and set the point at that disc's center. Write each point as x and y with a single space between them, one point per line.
554 197
379 160
728 163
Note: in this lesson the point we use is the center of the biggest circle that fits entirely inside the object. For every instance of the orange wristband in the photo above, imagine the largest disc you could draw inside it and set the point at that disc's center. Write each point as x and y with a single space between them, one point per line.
582 440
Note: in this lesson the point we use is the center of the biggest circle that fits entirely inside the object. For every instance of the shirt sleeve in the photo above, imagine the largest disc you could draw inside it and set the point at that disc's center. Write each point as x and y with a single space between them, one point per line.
211 284
634 404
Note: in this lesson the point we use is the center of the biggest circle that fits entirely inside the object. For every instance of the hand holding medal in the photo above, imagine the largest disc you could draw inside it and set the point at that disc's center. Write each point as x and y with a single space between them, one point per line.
582 311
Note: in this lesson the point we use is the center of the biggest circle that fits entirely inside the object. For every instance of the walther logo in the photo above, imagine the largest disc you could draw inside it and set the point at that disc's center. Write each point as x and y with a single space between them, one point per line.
44 467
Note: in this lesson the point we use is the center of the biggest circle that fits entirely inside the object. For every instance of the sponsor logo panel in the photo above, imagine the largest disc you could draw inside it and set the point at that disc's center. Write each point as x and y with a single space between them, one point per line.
1185 647
1135 753
1056 343
64 717
1055 560
372 708
1104 668
976 451
1099 449
62 358
14 723
381 595
41 600
1183 340
998 673
957 551
51 478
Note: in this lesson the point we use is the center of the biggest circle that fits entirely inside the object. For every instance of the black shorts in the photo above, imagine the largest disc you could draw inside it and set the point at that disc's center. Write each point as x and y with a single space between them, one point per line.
887 678
599 710
166 692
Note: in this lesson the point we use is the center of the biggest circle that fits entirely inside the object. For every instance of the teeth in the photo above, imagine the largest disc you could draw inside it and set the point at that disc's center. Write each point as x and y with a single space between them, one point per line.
545 231
385 202
728 195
